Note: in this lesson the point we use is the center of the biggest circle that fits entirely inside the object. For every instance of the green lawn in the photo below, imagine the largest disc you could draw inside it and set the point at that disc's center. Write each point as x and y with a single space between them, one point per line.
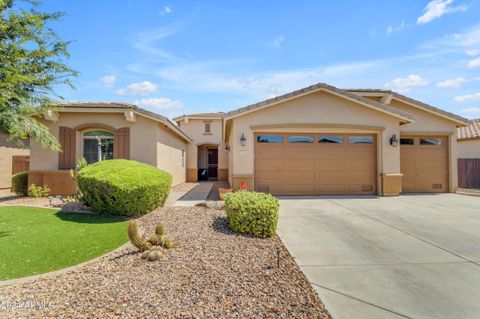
38 240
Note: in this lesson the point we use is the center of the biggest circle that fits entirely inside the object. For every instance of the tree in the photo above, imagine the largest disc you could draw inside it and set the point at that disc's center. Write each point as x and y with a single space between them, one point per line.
31 65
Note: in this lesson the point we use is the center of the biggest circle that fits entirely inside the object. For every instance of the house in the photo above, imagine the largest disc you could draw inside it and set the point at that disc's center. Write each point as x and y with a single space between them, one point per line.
314 141
100 131
468 152
207 155
13 159
468 140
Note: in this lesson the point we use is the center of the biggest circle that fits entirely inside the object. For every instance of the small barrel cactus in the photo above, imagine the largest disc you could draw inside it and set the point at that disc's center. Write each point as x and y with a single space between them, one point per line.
159 230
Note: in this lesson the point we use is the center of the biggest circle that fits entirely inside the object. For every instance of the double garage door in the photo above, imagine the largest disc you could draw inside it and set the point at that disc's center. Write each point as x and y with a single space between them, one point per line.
313 164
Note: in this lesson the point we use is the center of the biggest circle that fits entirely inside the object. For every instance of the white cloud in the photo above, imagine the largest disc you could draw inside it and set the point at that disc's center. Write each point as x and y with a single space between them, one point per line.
467 98
108 80
148 43
277 42
437 8
161 103
406 83
165 10
391 28
138 89
471 110
472 52
452 83
474 64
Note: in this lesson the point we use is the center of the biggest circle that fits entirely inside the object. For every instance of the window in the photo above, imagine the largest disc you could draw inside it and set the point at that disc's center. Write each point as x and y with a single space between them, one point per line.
360 139
331 139
430 141
406 141
270 138
97 146
300 139
207 128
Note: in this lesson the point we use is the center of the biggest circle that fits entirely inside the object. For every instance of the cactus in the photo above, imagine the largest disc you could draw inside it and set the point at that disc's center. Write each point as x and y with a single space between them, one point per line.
159 230
166 243
152 248
136 239
154 240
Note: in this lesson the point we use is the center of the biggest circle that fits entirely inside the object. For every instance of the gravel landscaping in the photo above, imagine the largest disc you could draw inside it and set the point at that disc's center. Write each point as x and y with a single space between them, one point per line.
213 273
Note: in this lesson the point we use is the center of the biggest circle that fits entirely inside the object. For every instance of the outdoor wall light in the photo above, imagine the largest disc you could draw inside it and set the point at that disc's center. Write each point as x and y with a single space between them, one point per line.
394 140
243 140
227 148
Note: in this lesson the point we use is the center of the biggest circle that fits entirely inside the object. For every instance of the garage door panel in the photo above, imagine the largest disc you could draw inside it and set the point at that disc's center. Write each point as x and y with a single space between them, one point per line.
300 164
361 188
425 168
315 168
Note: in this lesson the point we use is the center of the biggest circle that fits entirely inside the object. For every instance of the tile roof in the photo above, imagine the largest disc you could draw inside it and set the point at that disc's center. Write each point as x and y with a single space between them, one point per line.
200 115
470 132
127 106
113 105
407 99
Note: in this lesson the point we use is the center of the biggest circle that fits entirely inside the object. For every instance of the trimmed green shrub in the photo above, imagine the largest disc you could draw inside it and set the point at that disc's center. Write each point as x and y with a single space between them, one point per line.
38 191
123 187
252 213
20 183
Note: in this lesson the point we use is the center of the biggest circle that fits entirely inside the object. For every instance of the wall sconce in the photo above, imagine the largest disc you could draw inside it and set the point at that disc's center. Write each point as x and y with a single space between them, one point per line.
243 140
227 148
394 140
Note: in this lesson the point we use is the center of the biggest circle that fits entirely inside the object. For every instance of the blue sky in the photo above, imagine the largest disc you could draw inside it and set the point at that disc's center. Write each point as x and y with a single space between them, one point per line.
176 57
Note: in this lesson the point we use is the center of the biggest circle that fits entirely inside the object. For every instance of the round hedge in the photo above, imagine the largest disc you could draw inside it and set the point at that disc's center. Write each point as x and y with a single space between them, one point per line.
20 183
252 213
123 187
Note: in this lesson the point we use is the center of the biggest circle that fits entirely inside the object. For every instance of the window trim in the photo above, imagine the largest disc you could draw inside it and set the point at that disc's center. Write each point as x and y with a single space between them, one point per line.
430 138
353 136
101 137
311 137
282 136
331 135
205 125
407 138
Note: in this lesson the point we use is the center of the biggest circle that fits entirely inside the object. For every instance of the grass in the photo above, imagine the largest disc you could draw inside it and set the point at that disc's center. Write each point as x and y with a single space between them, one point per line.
38 240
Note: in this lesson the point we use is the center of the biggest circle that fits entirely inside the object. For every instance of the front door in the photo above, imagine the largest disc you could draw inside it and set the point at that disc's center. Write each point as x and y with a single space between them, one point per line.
212 163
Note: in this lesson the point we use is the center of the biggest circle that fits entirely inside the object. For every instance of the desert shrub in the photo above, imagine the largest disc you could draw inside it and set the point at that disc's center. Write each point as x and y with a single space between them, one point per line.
38 191
20 183
252 213
123 187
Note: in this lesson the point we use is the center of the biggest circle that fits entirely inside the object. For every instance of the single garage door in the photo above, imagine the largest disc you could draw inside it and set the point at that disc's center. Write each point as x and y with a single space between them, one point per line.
424 164
315 164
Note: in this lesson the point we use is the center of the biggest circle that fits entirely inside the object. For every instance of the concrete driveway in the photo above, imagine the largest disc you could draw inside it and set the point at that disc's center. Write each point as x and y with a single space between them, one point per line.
414 256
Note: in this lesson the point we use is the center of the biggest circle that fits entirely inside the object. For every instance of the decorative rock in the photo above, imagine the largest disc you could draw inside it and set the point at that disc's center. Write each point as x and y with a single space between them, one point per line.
154 255
213 274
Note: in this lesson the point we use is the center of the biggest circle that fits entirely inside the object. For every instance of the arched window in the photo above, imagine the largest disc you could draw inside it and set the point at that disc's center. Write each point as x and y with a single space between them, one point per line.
97 146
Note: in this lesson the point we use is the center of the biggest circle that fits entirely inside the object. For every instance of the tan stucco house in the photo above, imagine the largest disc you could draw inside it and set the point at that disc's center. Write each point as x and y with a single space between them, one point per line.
100 131
468 152
314 141
14 158
468 140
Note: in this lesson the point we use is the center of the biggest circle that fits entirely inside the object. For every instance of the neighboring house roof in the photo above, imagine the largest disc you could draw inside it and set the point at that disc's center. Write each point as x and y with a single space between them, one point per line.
112 106
211 115
431 109
404 116
470 132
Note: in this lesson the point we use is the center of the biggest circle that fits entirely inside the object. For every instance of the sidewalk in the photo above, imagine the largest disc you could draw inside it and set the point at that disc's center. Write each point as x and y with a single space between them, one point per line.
195 196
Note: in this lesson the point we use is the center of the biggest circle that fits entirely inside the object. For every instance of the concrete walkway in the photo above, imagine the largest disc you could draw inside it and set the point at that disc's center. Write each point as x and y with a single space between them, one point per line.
413 256
195 196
